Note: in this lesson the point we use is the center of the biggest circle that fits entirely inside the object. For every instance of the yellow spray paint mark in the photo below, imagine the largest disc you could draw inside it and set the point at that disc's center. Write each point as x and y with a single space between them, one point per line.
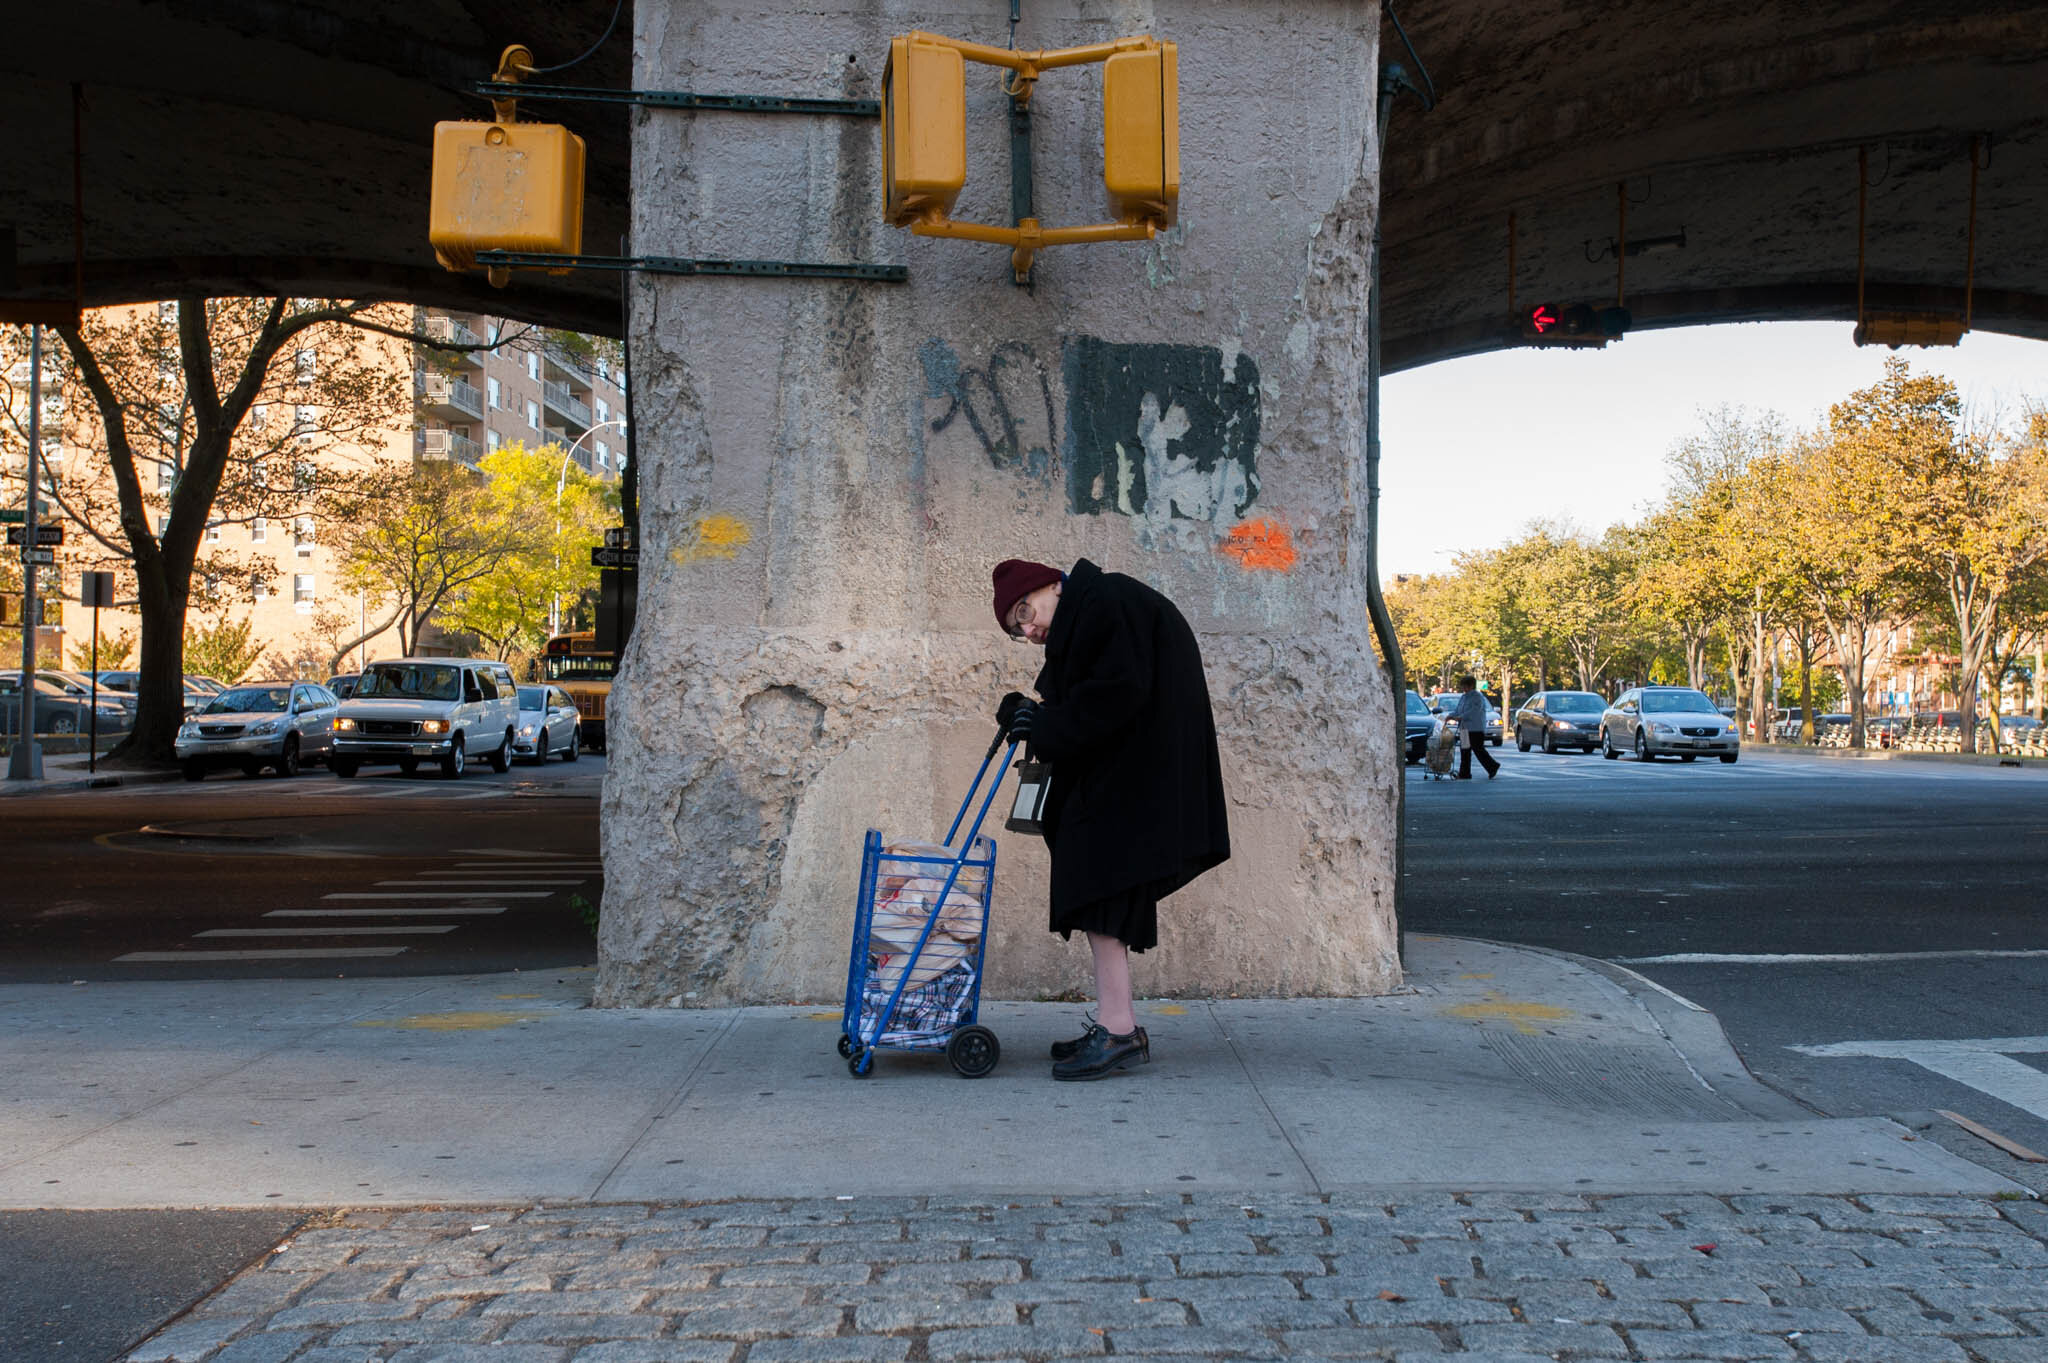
821 1017
455 1022
1495 1006
1170 1010
712 537
1482 975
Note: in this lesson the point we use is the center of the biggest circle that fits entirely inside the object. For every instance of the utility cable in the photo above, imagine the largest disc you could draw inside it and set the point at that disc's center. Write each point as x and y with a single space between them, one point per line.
604 38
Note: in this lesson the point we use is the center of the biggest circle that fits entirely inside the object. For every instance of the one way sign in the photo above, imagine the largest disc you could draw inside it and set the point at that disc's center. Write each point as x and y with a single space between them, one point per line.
46 535
614 558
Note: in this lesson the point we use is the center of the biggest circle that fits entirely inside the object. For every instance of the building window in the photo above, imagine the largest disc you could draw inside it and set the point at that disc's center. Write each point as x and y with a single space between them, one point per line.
260 588
491 440
604 413
259 416
163 526
302 588
166 477
533 414
604 367
259 530
302 366
213 532
302 423
303 475
302 536
603 455
167 312
533 365
491 391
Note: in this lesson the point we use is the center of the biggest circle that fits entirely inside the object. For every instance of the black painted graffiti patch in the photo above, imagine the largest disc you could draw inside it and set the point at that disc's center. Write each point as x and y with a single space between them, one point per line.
1160 432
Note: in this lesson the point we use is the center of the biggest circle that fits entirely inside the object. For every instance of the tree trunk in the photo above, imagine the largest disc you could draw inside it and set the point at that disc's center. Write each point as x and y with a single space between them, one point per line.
1759 701
1808 733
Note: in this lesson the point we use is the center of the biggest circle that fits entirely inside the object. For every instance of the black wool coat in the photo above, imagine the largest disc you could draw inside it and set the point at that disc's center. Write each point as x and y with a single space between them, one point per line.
1136 796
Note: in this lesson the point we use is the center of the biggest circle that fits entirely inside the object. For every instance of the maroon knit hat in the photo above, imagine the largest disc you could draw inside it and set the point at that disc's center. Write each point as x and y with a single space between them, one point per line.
1017 578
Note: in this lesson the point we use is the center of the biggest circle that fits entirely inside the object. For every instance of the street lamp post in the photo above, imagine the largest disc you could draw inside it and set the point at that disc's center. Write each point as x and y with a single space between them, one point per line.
562 481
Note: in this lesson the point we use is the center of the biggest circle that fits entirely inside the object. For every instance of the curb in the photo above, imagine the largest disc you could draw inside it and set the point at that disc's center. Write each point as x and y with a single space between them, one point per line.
49 786
1694 1034
1964 759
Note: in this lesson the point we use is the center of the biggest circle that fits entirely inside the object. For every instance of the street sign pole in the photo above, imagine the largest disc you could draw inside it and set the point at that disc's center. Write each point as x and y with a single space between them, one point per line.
25 759
97 589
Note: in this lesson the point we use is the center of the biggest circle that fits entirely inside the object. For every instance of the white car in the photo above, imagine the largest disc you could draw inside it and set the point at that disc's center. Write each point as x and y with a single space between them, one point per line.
547 724
277 724
1653 721
439 710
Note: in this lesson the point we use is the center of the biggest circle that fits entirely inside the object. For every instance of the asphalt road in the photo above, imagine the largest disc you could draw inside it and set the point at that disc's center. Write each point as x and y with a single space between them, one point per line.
230 877
1873 935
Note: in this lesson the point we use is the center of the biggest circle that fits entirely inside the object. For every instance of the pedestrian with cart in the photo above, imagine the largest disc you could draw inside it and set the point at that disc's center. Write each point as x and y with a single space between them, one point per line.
1134 808
1471 716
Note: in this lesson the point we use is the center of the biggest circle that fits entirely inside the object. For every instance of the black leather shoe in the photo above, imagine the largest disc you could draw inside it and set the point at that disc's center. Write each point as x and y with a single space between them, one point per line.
1102 1052
1067 1050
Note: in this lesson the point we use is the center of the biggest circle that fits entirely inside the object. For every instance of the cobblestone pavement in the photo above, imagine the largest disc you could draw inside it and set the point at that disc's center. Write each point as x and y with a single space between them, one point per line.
1494 1278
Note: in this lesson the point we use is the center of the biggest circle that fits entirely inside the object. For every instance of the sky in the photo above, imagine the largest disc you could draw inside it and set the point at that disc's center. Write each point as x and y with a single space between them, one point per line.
1472 450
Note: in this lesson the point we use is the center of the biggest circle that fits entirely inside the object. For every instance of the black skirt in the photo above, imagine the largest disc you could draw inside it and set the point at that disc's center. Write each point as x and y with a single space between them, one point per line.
1132 916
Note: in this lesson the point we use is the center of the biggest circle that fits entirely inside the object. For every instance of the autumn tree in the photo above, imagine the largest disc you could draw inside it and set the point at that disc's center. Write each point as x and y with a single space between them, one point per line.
565 511
412 538
1971 510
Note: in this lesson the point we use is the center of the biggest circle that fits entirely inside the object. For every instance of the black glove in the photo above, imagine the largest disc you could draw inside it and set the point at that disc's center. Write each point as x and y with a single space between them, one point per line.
1022 722
1007 711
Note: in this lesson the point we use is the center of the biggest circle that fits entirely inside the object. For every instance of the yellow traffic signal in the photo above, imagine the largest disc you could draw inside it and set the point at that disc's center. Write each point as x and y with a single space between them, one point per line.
505 186
1141 134
924 130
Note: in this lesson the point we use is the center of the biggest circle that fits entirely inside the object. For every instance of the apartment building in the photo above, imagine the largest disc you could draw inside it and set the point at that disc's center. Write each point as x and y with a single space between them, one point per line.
279 571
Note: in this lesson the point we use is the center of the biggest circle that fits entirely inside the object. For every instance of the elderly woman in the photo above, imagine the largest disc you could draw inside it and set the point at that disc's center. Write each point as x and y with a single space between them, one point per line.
1135 806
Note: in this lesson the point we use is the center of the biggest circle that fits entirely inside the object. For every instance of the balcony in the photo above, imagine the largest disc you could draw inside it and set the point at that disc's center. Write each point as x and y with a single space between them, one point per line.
572 368
449 445
567 405
458 333
449 398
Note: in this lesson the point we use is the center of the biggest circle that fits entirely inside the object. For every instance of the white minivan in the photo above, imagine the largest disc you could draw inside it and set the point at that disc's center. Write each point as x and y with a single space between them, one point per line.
440 710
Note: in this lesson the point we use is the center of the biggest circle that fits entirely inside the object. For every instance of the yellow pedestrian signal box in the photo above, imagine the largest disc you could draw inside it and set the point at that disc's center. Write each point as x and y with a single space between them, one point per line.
505 186
1141 134
924 130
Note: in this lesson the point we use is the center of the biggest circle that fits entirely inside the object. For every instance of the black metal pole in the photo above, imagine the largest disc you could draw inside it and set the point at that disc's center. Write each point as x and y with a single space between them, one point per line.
25 760
92 744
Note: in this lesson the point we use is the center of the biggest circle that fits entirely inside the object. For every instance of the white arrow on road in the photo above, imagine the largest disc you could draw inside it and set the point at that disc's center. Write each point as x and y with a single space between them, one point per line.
1984 1064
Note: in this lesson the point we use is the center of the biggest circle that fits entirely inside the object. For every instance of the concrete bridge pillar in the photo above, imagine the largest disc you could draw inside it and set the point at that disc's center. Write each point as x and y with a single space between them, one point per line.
830 470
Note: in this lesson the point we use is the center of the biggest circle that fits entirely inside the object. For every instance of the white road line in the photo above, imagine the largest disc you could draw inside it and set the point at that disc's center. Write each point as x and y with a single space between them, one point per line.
288 954
1984 1064
439 910
328 932
1818 958
446 894
446 881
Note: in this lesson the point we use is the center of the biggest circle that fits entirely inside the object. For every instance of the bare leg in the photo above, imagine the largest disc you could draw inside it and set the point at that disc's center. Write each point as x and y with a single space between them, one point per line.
1112 984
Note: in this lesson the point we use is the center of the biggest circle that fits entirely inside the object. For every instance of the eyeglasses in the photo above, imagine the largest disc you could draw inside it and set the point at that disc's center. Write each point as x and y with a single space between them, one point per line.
1014 622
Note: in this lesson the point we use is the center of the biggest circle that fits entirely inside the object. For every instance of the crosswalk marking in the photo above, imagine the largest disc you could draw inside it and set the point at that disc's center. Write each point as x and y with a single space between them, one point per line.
290 954
1828 958
439 909
409 930
1984 1064
443 882
444 894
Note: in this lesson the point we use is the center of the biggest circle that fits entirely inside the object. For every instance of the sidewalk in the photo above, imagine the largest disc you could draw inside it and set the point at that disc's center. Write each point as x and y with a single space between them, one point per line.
1520 1157
69 771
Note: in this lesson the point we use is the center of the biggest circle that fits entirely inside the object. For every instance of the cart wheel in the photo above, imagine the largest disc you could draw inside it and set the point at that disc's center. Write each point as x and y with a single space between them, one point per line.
860 1064
845 1046
973 1051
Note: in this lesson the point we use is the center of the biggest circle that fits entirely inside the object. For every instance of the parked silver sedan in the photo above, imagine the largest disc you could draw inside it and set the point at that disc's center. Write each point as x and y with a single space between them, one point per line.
1654 721
547 724
277 724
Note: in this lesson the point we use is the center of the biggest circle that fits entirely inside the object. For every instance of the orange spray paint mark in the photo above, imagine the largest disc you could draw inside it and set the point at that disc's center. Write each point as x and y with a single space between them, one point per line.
1261 544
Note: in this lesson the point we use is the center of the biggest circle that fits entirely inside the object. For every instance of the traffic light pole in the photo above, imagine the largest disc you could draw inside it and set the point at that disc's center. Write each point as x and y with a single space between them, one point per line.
25 759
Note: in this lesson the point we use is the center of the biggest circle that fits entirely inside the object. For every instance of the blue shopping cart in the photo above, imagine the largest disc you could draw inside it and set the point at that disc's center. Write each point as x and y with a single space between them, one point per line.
920 930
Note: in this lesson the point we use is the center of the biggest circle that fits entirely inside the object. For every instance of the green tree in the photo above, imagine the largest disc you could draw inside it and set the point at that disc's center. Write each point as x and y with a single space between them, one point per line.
514 608
114 653
222 650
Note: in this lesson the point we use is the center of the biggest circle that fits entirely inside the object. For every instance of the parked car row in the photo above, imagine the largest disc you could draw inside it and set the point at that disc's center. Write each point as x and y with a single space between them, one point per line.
402 712
58 710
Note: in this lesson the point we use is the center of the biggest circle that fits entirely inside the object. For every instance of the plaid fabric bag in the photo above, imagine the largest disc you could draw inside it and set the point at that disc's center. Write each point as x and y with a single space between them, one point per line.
926 1010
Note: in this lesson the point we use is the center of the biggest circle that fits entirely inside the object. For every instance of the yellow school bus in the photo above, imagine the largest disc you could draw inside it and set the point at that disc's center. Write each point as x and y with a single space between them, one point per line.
574 663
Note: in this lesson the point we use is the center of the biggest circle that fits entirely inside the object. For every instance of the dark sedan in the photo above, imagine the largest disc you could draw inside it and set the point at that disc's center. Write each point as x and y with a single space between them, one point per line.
1559 719
57 712
1420 722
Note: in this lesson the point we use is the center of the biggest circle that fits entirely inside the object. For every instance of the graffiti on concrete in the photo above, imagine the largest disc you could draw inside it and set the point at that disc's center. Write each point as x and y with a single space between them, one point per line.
1262 545
1160 433
1007 403
711 537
